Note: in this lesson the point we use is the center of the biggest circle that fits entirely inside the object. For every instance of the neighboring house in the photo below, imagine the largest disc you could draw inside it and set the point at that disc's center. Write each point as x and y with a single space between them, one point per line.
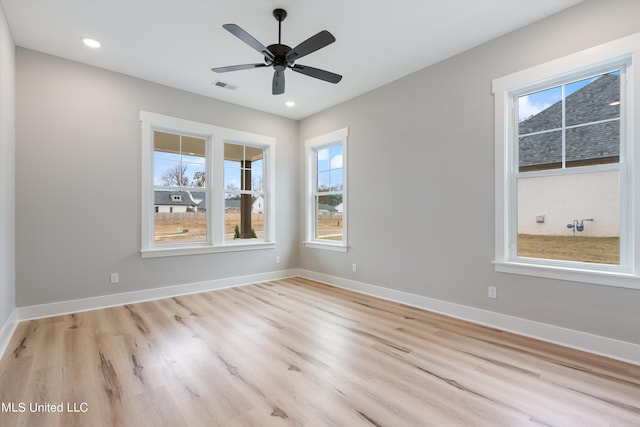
324 209
257 207
547 204
596 143
180 201
233 205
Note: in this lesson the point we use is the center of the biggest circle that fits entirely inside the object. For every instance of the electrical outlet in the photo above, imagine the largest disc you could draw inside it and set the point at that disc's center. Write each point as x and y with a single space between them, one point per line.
354 268
114 278
493 292
277 259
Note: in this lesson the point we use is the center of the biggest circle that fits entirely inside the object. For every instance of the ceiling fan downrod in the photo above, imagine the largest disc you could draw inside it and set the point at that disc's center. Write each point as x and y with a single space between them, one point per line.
280 15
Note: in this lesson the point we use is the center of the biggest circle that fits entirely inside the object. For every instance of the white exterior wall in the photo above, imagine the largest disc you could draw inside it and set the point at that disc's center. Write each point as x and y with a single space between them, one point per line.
561 199
258 205
167 209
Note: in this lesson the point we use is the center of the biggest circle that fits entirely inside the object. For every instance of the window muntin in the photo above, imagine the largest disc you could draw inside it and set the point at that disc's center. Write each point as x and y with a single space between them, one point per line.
567 181
244 191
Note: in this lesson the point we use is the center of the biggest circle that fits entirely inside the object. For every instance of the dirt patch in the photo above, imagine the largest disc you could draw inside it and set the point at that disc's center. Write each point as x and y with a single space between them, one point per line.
604 250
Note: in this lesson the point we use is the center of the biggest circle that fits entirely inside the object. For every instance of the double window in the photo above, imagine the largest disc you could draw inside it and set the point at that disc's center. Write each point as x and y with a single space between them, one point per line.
326 220
204 188
566 202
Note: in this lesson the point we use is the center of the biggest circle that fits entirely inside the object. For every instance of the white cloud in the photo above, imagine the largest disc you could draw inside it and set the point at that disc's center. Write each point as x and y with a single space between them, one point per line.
323 154
336 161
527 108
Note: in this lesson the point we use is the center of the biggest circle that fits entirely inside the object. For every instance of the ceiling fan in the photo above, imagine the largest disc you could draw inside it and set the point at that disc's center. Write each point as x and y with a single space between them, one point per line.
281 57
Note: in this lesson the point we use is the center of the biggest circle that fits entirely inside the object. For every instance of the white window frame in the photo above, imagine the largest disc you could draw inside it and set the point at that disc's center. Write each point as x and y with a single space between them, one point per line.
505 89
311 148
215 137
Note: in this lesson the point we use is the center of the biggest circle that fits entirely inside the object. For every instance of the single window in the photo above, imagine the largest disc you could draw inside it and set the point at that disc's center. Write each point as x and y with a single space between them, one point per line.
326 191
566 199
566 135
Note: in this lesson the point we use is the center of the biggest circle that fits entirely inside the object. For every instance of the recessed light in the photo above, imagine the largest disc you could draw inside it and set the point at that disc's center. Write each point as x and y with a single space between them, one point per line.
614 103
290 104
91 42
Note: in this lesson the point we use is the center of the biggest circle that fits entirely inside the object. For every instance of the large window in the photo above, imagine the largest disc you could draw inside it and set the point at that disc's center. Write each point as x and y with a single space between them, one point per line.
326 191
567 177
565 194
204 188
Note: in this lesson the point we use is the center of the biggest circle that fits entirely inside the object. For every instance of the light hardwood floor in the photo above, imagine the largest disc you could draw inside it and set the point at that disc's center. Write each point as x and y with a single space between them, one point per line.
296 352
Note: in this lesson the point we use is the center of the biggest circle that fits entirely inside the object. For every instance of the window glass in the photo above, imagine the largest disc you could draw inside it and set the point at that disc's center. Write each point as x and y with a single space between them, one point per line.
540 151
540 111
570 214
244 192
179 210
571 125
329 217
593 144
570 217
328 200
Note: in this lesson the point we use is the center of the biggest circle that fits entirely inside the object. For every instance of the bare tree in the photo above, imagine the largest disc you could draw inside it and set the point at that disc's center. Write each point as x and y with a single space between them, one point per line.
175 176
199 179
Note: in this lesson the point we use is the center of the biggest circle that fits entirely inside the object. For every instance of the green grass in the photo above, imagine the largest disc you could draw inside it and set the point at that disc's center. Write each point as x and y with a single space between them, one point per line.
604 250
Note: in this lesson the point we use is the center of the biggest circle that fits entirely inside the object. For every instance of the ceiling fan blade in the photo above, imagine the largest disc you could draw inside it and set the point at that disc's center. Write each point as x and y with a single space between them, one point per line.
310 45
237 67
248 39
317 73
278 83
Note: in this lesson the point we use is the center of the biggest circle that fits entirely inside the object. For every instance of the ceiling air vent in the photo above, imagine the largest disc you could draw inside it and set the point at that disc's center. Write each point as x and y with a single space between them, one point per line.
225 85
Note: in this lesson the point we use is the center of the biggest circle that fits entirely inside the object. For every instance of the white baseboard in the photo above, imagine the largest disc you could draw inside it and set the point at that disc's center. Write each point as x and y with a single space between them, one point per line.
6 332
85 304
615 349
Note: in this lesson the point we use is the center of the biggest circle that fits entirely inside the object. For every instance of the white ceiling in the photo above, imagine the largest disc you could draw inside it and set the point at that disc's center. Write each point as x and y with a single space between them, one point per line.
177 42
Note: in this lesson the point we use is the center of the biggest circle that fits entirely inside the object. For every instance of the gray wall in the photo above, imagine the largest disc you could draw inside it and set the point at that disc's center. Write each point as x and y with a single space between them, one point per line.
7 171
78 182
421 181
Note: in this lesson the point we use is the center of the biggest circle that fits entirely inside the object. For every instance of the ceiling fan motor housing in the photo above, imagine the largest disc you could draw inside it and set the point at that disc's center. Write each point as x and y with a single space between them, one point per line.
279 52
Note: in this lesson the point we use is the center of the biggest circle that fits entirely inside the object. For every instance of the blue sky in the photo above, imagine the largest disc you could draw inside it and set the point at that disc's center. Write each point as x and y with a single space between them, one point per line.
330 167
533 103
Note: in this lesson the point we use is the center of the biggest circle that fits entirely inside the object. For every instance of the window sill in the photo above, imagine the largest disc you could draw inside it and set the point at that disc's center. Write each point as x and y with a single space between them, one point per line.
198 250
607 278
326 246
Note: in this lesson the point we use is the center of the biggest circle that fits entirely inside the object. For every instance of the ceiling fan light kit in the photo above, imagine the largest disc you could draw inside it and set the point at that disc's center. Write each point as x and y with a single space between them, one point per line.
280 56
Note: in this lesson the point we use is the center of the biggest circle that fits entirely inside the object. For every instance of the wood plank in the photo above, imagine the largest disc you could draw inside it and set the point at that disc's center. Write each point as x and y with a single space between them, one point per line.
297 352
